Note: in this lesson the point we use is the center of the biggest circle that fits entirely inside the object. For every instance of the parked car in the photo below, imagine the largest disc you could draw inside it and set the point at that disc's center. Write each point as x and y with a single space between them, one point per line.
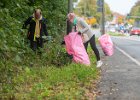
135 31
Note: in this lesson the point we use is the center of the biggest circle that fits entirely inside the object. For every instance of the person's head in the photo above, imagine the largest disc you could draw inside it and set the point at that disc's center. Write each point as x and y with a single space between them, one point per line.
37 13
71 17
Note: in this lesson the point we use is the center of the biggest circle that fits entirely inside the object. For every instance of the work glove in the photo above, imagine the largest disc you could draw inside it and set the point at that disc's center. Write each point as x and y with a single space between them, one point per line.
79 33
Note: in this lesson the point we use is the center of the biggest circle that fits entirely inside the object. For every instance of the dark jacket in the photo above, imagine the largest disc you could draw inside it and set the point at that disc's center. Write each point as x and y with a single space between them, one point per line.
31 22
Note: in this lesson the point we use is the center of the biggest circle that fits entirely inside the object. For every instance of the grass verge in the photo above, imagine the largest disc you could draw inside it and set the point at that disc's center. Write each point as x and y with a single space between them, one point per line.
69 82
116 34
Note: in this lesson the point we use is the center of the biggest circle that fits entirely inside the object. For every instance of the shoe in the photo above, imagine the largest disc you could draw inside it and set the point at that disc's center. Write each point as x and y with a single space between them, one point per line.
99 64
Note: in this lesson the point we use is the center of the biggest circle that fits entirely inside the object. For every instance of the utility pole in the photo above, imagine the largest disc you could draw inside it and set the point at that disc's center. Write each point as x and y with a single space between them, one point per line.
103 18
70 6
100 4
70 9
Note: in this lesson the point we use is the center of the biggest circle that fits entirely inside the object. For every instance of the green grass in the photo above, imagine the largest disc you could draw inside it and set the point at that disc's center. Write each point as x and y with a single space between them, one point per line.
69 82
115 34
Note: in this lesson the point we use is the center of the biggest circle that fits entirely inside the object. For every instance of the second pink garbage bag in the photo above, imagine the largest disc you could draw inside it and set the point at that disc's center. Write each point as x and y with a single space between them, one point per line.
75 47
106 44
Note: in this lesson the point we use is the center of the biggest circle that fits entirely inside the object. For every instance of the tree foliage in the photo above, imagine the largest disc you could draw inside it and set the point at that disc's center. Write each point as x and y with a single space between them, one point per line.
135 11
88 8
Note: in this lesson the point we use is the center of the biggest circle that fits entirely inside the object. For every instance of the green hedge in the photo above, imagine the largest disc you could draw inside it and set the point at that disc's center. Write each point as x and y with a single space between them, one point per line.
15 53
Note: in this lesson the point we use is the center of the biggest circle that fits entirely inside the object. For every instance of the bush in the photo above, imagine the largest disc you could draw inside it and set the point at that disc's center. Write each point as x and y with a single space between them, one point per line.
15 53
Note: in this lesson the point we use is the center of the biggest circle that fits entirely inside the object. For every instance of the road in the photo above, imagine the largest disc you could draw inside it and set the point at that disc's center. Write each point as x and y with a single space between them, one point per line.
121 72
129 45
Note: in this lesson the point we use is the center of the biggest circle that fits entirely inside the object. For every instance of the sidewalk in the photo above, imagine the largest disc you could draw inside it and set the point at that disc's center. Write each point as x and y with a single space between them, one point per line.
120 78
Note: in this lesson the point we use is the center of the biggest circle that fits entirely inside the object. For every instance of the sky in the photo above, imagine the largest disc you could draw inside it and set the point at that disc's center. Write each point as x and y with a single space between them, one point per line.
121 6
76 3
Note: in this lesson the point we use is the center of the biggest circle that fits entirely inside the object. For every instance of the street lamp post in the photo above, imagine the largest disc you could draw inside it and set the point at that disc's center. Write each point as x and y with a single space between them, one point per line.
70 9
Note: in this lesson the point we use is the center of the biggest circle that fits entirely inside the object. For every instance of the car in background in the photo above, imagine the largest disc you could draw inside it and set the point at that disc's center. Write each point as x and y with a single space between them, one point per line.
135 31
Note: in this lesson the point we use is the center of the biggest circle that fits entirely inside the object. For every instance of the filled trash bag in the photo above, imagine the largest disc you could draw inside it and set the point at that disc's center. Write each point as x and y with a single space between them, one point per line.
75 47
106 44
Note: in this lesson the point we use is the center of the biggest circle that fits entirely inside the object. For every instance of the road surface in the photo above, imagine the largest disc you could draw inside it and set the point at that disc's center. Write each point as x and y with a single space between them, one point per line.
121 72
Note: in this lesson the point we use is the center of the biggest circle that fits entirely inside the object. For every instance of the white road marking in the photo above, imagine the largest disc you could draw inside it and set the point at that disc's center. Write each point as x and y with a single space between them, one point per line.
126 54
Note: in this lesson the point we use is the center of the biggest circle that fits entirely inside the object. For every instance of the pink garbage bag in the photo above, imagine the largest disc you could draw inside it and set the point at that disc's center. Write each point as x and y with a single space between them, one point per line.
75 47
106 44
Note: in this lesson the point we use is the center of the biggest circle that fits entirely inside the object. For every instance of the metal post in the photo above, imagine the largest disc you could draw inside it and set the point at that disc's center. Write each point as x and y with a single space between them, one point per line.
70 9
103 18
70 6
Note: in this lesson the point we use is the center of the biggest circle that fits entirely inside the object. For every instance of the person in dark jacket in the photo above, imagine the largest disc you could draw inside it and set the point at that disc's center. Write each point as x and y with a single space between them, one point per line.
37 26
